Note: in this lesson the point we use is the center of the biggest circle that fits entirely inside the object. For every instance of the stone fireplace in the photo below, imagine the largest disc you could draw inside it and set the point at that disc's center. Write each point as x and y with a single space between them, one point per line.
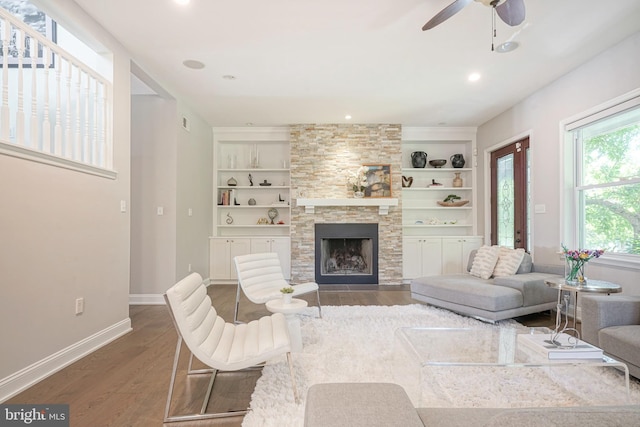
321 155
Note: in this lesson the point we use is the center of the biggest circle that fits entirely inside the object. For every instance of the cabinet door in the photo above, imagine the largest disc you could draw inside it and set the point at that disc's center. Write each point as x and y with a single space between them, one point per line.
411 258
282 246
219 259
452 255
469 244
431 256
260 245
237 247
455 253
221 256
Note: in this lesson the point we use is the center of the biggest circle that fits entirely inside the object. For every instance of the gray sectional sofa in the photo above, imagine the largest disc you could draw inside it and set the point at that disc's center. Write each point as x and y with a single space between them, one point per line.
612 322
495 298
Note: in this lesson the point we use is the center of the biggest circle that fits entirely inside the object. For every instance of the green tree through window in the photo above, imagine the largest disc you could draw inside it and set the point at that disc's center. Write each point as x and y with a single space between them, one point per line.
609 185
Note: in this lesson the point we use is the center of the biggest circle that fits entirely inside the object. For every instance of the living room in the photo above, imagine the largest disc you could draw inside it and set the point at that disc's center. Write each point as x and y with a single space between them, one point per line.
57 249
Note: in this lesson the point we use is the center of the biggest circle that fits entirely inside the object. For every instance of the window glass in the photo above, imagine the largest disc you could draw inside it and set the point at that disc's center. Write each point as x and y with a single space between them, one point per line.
607 183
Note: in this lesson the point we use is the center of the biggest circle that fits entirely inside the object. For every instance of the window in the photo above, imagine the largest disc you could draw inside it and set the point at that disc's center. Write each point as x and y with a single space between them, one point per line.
603 195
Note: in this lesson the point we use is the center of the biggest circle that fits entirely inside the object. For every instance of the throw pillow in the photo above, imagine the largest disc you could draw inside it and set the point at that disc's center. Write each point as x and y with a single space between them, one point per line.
485 261
508 261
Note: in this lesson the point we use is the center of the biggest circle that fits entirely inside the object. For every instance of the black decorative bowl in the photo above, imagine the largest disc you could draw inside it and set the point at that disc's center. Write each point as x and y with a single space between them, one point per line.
437 163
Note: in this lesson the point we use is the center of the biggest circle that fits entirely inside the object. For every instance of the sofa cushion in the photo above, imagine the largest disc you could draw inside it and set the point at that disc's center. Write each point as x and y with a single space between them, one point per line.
509 261
621 341
485 261
534 290
468 290
526 265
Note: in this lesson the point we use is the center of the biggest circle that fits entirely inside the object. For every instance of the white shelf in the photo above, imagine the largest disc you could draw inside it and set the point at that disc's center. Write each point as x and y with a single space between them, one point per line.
443 208
436 170
436 188
253 206
262 226
252 170
382 203
435 225
255 187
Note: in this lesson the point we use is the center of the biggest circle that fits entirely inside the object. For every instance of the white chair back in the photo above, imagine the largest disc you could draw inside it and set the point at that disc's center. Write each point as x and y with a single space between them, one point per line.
260 276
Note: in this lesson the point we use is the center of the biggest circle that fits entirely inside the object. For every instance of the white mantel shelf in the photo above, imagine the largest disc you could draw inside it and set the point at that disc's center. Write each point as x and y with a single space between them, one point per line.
382 203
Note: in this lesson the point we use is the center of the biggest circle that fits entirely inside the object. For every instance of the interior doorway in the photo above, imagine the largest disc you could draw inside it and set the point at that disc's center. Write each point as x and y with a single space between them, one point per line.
510 193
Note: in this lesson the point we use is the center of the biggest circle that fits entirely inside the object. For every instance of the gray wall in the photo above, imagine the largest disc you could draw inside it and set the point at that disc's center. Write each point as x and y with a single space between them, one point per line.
607 76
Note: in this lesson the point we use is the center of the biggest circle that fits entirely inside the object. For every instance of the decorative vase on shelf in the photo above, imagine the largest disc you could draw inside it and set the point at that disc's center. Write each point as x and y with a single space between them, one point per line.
358 194
418 159
457 161
457 181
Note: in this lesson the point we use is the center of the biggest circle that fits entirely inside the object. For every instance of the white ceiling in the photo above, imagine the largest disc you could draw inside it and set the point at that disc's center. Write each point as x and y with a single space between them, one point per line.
314 61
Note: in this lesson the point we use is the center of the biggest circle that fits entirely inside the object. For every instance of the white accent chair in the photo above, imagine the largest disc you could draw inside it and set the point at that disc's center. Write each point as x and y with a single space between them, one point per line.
220 345
260 278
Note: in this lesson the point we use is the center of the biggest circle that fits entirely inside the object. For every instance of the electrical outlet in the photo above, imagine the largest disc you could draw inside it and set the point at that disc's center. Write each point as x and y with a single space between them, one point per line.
189 268
79 305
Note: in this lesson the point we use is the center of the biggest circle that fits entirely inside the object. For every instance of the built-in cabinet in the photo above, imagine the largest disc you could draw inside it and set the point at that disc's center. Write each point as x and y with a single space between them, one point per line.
224 249
437 239
252 185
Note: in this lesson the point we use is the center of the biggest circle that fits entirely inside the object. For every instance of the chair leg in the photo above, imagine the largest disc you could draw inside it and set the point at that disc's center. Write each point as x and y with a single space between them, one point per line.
235 314
293 378
202 415
319 306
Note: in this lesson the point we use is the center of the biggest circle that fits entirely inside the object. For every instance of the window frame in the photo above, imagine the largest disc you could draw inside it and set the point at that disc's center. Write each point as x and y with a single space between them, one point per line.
572 201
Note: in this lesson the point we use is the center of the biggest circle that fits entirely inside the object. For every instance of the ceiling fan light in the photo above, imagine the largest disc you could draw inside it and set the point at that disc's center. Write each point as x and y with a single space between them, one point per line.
507 47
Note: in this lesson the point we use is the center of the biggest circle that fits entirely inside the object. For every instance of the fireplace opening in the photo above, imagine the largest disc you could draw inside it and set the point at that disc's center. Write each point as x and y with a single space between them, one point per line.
346 253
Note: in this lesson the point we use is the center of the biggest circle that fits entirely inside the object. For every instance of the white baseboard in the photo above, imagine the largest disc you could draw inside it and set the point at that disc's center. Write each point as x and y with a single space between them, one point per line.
146 299
154 299
25 378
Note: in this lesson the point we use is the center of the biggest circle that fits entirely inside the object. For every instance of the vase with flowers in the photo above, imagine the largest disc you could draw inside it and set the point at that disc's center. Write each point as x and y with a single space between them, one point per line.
576 260
358 181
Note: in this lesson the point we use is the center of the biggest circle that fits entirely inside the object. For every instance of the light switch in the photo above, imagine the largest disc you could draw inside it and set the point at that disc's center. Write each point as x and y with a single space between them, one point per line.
190 212
160 210
123 206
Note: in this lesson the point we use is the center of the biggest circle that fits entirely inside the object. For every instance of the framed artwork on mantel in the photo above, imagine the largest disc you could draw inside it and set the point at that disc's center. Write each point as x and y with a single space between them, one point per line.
379 181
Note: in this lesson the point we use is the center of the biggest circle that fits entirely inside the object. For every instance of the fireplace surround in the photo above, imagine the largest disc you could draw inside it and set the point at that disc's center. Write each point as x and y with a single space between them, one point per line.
346 254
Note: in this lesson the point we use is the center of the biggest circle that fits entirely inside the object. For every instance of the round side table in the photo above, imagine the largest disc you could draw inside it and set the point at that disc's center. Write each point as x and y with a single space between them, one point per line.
293 322
592 286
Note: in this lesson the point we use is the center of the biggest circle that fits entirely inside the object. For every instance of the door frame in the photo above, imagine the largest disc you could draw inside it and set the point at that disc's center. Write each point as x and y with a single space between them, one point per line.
486 188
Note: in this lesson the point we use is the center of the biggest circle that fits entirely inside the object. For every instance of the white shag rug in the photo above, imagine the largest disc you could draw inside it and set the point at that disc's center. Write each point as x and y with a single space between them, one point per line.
356 344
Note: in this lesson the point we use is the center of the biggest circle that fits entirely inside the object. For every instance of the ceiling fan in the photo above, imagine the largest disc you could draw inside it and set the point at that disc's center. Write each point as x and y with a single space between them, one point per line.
512 12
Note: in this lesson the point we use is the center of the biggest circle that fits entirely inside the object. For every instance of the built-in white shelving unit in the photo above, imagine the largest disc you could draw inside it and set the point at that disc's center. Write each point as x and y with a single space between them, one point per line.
254 215
436 239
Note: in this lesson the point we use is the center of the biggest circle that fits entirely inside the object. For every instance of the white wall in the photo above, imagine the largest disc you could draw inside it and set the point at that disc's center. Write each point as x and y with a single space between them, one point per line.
171 168
194 191
153 185
609 75
63 237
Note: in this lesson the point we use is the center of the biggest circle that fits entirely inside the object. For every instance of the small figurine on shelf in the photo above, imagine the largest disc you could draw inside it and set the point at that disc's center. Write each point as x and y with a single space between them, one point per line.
229 218
250 180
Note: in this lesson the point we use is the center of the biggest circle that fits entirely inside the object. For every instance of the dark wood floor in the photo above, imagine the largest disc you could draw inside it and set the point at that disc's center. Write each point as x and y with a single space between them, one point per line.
126 382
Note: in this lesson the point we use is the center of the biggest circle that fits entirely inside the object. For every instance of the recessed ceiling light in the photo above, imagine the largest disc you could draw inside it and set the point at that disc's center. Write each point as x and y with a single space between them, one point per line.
347 117
193 64
474 77
182 2
229 77
507 47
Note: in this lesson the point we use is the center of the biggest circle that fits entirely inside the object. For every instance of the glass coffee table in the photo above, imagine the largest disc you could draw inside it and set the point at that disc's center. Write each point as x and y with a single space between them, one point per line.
486 367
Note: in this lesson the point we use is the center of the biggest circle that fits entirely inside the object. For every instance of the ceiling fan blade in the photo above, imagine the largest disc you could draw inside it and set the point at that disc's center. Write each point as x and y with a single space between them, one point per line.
446 13
512 12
